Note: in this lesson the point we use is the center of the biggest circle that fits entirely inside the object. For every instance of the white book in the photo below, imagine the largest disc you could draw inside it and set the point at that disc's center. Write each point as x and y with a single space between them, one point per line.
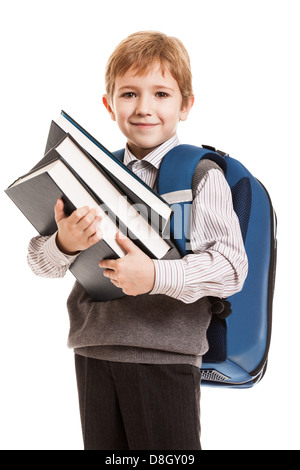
105 158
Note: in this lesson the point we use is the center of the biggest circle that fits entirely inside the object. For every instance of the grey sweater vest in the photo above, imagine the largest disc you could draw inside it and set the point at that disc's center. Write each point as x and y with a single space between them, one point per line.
154 329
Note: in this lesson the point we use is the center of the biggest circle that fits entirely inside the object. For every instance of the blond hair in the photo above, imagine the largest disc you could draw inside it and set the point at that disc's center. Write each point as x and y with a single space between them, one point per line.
141 50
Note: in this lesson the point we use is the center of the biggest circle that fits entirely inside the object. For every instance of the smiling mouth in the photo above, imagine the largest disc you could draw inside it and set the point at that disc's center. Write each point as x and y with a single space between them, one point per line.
143 125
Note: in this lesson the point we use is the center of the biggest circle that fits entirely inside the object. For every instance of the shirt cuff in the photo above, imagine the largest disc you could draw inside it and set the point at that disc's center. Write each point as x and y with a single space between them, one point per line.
55 256
169 278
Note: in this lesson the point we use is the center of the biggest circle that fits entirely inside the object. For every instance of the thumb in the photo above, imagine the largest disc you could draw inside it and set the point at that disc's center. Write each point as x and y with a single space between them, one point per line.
59 211
126 243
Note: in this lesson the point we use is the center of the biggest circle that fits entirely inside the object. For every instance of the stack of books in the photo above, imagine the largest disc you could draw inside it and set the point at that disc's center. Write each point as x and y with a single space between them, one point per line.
81 171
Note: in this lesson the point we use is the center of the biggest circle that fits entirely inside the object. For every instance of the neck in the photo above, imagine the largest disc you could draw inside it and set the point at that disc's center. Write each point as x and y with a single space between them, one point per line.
139 152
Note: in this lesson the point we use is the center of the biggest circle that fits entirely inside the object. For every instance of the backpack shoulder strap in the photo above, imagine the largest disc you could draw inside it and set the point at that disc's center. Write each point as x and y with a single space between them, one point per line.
203 167
180 172
179 175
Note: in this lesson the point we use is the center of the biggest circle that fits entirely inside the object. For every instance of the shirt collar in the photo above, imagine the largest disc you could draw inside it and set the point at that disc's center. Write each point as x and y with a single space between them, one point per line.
155 157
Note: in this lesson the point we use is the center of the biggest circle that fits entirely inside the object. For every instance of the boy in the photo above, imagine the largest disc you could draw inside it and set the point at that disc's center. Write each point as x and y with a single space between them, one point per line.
138 358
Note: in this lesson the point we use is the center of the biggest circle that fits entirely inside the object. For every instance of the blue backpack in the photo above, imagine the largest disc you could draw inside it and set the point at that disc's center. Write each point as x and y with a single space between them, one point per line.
238 344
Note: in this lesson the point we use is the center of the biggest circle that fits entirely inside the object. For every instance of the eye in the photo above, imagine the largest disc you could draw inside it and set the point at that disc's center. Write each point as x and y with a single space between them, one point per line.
129 94
162 94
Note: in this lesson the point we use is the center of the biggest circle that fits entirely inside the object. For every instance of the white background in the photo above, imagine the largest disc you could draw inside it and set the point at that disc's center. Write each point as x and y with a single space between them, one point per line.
245 59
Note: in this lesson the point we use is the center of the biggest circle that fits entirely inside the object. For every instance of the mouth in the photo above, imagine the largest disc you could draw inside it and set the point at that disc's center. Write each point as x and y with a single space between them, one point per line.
143 125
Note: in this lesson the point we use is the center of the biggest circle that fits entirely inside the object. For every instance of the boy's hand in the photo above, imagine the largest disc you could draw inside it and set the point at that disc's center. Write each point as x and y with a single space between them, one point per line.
135 273
79 231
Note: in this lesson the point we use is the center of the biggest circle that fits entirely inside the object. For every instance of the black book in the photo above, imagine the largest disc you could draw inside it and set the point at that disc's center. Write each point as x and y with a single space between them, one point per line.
151 206
36 193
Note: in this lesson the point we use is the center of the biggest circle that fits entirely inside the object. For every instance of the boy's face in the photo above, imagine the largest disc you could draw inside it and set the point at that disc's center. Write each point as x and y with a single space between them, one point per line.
147 109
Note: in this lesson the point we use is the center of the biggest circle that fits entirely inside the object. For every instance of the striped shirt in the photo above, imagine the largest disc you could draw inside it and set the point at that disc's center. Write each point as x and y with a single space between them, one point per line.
218 265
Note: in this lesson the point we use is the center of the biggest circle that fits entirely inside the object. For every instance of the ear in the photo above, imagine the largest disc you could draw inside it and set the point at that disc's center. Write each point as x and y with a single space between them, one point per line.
108 107
186 108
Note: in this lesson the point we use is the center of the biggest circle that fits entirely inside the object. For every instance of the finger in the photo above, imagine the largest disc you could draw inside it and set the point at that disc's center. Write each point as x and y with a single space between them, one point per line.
85 222
59 211
126 243
107 263
116 283
95 238
111 274
77 215
93 228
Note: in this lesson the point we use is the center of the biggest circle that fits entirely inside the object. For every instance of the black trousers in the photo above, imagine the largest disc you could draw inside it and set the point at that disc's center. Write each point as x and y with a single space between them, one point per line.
127 406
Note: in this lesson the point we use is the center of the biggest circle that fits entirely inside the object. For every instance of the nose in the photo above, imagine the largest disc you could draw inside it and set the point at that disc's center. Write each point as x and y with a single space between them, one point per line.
144 105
